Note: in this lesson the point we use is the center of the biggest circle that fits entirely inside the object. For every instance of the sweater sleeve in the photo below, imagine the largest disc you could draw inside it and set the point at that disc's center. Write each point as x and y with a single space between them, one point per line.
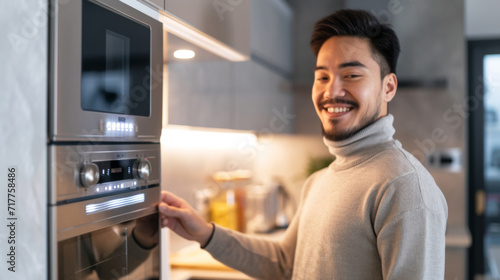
255 256
410 228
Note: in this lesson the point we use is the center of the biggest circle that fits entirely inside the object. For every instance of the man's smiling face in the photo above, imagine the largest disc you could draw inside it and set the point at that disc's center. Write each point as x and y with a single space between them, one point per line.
348 91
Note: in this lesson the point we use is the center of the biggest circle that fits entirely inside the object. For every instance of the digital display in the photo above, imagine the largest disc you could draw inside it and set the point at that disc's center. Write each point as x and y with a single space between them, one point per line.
115 170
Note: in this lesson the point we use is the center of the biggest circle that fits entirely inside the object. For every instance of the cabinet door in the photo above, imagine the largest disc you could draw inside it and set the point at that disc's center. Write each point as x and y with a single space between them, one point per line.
232 95
227 21
263 99
271 33
200 94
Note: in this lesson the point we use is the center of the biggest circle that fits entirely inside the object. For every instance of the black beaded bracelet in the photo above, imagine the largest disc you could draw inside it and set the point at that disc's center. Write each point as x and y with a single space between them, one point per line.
210 238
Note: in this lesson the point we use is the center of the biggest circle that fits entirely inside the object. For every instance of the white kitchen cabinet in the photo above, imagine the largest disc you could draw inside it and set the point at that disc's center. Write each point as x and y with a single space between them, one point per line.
231 95
258 28
251 95
263 99
271 33
227 21
200 94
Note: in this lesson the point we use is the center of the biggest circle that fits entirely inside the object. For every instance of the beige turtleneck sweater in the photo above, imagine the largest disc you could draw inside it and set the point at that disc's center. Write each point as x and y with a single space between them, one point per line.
374 213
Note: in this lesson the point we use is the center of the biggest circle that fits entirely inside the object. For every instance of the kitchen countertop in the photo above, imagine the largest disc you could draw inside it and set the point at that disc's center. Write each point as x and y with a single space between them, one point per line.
194 263
458 237
201 274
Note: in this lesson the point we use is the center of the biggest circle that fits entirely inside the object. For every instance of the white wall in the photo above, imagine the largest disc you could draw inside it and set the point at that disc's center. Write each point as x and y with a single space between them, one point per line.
23 137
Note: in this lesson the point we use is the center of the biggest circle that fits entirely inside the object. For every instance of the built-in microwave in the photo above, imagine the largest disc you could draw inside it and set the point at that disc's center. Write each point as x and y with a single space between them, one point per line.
106 66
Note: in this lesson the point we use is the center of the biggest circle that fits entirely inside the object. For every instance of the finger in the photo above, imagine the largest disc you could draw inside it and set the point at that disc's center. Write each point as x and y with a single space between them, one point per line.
164 223
171 199
164 194
168 196
171 211
162 206
171 224
170 206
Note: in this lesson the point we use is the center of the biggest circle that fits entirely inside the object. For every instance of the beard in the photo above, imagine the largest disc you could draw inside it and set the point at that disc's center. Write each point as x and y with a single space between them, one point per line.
338 135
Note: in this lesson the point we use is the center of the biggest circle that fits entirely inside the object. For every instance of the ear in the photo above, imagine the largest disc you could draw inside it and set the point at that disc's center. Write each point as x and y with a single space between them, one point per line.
389 87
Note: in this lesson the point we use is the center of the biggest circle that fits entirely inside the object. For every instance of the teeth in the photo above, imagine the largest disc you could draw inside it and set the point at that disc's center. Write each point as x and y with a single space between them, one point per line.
337 109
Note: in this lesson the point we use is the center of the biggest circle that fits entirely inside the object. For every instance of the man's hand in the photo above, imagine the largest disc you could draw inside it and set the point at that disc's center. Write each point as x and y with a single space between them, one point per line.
179 216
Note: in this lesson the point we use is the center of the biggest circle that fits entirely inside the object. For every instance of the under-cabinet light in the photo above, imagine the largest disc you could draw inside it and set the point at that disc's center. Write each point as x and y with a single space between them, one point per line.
184 54
198 38
189 137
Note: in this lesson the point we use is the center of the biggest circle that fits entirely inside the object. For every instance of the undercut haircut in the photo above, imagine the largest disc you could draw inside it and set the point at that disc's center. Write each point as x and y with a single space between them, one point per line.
383 40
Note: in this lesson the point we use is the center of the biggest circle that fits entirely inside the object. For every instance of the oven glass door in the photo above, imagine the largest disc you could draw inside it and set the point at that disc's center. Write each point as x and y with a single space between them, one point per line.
109 253
116 54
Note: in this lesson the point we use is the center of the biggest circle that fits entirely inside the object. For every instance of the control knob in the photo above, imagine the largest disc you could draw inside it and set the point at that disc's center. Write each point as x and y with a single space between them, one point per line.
89 175
142 169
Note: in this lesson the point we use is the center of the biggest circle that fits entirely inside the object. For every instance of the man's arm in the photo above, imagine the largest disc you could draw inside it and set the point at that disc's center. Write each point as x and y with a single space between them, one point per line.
410 227
413 246
263 259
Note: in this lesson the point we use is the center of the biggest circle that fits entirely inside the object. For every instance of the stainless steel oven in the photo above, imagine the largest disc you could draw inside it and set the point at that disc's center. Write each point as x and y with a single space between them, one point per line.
106 67
100 197
105 123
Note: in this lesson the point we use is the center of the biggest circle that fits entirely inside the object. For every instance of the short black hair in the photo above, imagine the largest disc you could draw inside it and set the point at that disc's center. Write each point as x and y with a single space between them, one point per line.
359 23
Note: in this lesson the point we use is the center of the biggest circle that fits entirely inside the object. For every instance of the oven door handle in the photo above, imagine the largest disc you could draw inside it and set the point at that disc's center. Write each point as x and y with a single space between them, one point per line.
73 219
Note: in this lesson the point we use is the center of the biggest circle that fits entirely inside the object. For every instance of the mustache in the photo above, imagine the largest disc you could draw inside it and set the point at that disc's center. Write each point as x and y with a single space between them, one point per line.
331 101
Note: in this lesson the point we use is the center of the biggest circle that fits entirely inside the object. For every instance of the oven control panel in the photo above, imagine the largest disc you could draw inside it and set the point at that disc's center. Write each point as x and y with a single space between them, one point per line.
80 171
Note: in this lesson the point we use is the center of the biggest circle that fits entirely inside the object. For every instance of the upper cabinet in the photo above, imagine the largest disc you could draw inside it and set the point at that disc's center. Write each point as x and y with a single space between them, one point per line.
201 94
271 34
232 95
210 90
227 21
157 3
263 99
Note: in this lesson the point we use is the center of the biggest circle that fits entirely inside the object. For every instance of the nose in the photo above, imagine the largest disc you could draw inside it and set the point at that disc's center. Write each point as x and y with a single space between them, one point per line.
334 89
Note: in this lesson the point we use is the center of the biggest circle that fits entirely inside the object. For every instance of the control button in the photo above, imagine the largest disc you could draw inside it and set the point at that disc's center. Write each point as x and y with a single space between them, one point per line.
113 127
142 169
89 175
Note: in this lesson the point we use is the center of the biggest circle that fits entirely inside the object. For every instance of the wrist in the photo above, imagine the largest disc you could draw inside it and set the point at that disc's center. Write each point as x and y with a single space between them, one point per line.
207 237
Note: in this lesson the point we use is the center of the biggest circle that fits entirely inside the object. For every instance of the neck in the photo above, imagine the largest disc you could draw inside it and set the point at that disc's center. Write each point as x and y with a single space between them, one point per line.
363 144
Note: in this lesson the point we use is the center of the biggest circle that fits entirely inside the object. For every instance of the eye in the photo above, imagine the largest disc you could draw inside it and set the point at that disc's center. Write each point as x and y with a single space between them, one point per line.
352 76
322 78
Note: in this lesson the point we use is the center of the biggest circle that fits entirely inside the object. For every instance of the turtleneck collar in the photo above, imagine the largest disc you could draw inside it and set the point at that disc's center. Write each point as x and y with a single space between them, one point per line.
362 145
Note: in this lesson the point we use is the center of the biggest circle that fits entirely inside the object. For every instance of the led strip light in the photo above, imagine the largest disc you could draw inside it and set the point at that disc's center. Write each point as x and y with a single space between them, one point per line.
113 204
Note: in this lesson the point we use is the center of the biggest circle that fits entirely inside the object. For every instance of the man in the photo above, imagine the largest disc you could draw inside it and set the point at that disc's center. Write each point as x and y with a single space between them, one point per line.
375 212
